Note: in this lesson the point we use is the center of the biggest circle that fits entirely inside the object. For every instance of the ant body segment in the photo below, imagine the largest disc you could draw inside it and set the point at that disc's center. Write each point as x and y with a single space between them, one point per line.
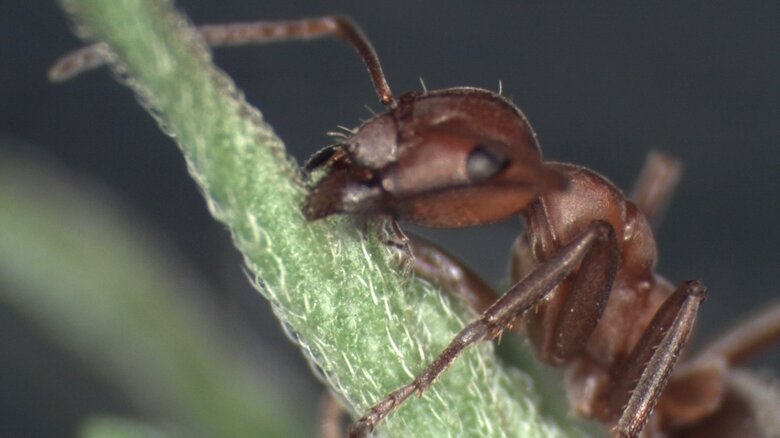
584 289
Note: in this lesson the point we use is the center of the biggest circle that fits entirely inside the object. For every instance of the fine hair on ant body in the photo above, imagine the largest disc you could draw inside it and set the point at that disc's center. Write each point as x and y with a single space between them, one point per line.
585 289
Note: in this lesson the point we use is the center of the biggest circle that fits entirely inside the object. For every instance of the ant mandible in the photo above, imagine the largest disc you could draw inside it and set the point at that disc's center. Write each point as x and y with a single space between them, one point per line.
583 270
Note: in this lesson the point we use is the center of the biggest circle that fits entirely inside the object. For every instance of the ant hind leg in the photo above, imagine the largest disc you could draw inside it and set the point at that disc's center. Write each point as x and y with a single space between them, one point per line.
754 334
655 185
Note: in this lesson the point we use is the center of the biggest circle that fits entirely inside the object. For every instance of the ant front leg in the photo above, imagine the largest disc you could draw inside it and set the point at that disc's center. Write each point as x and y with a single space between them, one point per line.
521 297
435 265
440 268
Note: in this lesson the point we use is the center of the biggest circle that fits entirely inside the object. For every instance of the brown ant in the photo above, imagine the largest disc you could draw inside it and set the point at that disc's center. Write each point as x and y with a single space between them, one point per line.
584 285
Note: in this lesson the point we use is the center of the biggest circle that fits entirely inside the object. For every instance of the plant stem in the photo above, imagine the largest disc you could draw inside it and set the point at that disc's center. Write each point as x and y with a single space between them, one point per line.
341 296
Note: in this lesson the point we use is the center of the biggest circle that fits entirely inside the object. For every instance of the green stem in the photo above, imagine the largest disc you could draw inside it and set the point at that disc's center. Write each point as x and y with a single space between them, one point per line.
355 316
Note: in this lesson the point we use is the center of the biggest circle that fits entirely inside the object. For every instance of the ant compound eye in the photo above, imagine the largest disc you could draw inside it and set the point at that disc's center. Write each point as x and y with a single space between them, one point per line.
484 163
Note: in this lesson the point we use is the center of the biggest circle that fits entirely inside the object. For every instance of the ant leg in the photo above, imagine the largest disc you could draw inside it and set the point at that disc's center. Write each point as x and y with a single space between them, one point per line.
696 390
645 373
437 266
259 32
655 185
584 304
698 387
752 335
561 328
331 417
521 297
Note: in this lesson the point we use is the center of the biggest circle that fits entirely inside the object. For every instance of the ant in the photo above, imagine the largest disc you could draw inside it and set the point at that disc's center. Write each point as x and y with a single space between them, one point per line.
585 289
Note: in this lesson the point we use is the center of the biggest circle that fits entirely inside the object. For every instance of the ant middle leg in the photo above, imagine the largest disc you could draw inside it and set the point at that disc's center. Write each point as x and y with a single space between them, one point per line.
699 387
643 376
521 297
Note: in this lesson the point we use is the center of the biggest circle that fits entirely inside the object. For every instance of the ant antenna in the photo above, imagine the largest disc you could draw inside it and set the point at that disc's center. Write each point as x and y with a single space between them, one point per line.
260 32
349 31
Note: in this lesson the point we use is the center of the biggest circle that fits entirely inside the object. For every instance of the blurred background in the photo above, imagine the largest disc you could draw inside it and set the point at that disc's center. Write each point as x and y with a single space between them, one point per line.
601 83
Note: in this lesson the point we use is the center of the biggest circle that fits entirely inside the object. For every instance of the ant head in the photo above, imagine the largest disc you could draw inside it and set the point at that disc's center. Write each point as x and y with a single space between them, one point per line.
448 158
